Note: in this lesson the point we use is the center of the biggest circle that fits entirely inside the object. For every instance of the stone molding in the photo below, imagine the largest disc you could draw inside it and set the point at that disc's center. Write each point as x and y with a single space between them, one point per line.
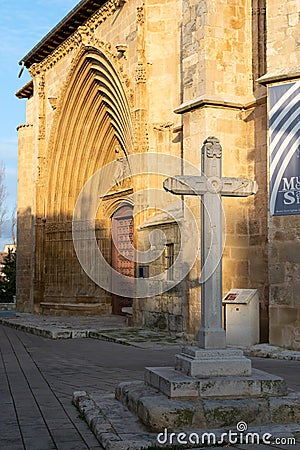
202 102
280 75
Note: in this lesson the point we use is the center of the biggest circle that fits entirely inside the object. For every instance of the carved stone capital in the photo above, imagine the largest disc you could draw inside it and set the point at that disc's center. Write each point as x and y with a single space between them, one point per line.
58 227
53 102
84 33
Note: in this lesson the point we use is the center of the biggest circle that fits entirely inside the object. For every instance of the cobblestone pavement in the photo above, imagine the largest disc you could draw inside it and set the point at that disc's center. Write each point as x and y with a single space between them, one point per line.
38 377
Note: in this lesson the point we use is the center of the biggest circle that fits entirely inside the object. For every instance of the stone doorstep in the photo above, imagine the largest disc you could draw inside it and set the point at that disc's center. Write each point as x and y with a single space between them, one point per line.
175 384
87 308
197 362
157 411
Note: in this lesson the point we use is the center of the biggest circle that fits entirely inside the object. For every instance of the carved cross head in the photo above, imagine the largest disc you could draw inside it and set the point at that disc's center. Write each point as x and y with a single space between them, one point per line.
212 147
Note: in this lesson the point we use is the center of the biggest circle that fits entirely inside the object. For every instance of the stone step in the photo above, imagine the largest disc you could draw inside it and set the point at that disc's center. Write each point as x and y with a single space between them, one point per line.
76 309
73 299
157 411
118 429
175 384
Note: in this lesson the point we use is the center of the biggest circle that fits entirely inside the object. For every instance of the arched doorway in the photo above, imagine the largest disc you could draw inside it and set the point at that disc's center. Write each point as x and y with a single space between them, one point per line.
92 118
122 252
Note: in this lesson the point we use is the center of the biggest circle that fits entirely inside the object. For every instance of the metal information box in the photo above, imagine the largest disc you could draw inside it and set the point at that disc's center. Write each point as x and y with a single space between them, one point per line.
242 317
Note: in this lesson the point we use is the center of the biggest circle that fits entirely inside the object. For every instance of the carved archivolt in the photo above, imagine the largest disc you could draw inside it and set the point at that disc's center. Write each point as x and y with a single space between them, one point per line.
92 118
95 46
110 206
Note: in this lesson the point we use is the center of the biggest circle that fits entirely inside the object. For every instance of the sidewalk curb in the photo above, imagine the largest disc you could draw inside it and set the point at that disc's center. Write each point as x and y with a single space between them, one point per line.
103 335
103 428
273 352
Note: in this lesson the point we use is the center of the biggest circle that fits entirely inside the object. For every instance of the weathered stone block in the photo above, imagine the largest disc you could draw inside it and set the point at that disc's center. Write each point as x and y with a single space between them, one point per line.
171 382
230 412
281 294
198 362
285 409
277 273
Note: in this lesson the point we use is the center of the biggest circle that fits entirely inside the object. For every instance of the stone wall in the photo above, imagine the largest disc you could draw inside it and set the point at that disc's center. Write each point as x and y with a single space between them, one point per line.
223 53
169 310
25 218
283 28
283 53
284 270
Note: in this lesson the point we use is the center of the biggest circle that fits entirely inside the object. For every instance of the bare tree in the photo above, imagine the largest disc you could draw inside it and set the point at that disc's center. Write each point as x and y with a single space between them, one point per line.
13 219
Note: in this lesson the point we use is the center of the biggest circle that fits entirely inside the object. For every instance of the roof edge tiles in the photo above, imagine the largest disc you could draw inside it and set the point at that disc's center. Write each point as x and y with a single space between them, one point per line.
26 91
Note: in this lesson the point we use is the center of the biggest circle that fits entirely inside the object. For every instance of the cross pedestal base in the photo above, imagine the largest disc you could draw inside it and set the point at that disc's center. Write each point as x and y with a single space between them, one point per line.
175 384
198 362
220 402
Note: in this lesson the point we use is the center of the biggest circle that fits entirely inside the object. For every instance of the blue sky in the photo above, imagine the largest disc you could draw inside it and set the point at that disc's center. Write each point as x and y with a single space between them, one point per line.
23 24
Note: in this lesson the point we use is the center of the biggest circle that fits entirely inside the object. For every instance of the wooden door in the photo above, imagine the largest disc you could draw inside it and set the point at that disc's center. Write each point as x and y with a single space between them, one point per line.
122 253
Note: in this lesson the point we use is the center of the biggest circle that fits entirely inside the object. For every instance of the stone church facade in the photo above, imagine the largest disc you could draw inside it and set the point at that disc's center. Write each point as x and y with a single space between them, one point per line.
118 78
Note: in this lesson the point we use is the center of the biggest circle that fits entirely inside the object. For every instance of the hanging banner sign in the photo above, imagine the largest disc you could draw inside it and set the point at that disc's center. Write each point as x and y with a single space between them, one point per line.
284 127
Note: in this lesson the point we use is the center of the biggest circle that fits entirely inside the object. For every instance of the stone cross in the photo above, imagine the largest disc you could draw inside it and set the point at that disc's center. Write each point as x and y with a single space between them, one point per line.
211 186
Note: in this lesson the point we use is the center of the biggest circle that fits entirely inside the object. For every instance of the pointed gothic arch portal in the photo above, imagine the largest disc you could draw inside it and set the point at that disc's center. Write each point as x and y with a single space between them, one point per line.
122 252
